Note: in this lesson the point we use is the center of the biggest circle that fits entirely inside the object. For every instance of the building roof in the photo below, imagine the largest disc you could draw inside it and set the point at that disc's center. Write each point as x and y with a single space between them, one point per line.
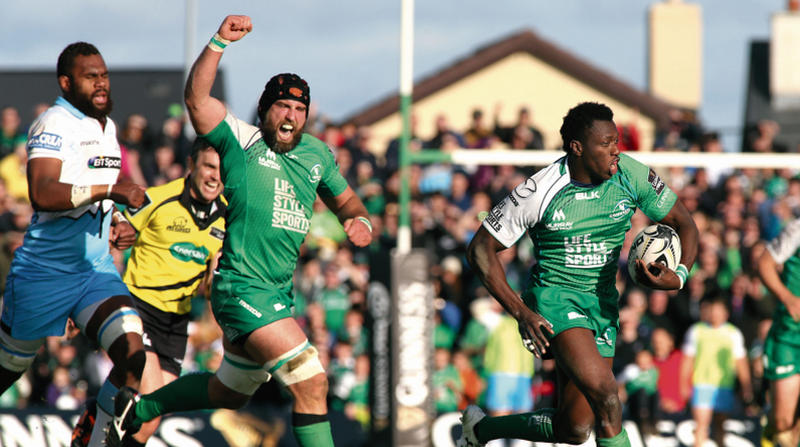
529 42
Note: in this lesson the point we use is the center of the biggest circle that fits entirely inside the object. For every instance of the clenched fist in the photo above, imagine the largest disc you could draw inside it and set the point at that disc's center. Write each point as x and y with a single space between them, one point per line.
234 28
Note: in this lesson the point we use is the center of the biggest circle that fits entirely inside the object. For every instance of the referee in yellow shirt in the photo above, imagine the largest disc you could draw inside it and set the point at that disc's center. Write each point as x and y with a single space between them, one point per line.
181 227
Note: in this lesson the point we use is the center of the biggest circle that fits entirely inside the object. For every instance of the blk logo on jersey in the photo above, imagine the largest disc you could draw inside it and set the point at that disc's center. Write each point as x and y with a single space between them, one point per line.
105 162
587 195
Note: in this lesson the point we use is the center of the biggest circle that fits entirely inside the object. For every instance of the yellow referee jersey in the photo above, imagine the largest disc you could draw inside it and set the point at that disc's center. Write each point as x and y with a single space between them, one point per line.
175 241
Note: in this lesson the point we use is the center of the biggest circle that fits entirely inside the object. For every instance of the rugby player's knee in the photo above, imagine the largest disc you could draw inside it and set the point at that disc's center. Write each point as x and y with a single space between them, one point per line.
135 363
300 364
223 395
603 397
127 367
127 353
123 327
575 431
314 388
16 356
301 371
608 407
236 379
577 435
784 422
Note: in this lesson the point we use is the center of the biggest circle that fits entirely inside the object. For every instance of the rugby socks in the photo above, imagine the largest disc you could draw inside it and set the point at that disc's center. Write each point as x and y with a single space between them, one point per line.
189 392
105 411
536 426
312 430
621 440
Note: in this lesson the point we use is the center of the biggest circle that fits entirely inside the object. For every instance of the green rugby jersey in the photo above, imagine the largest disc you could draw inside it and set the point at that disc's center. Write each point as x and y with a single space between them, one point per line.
785 249
270 198
578 230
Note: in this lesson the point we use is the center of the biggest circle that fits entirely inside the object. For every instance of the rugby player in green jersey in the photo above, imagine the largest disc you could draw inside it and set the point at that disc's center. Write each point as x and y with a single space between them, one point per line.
272 176
782 347
577 212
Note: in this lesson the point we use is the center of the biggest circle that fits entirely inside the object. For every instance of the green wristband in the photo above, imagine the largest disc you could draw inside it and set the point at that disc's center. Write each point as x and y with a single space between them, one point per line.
366 222
218 43
682 273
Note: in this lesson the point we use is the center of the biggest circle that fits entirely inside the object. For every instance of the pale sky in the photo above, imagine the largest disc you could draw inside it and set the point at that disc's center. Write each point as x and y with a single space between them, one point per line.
348 50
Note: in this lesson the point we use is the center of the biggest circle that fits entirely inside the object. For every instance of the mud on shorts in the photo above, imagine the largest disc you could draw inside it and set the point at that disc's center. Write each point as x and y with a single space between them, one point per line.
567 308
781 359
241 305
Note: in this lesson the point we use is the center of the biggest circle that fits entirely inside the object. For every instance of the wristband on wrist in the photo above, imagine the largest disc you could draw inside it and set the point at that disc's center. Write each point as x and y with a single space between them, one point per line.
682 273
80 195
366 222
217 43
120 217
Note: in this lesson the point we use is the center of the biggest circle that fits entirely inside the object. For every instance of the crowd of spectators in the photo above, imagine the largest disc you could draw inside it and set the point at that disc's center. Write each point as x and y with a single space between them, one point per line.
735 211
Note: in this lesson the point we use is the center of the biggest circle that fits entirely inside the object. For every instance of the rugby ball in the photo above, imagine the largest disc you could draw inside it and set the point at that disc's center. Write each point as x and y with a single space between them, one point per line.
656 243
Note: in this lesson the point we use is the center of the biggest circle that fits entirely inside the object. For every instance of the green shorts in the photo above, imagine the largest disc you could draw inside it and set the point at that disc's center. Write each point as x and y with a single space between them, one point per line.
566 309
781 360
242 305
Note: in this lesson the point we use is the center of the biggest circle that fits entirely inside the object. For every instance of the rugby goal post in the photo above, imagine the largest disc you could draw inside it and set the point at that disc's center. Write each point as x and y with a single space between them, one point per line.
528 157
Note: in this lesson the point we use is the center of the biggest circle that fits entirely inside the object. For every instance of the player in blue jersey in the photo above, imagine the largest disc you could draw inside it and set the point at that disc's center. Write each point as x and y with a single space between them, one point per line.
64 269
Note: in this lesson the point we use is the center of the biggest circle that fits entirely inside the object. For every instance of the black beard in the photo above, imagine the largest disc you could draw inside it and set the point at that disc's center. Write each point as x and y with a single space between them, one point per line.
88 108
271 138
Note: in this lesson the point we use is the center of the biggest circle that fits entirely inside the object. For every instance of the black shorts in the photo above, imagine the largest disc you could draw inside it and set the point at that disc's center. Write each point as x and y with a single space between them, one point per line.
165 334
